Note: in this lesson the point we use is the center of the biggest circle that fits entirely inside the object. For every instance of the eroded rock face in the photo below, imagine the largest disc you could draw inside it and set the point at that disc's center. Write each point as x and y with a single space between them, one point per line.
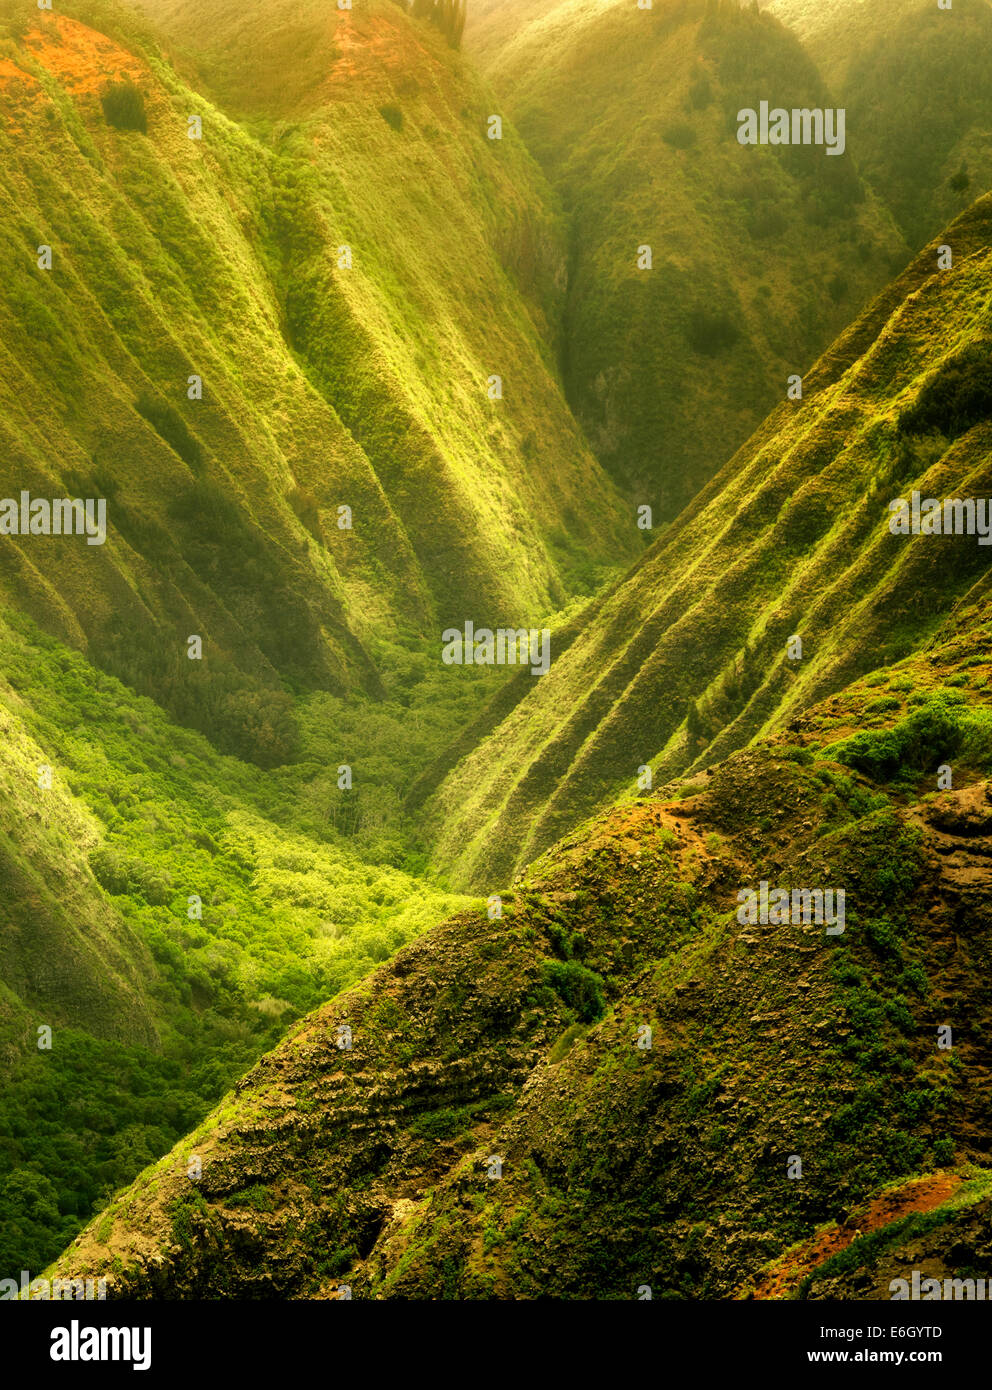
609 1085
963 814
961 834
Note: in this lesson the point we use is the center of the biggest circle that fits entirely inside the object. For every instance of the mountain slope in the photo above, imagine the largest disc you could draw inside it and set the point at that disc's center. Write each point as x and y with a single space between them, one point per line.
752 271
495 1128
937 1227
687 658
169 907
167 912
323 387
833 29
914 81
65 953
606 1079
937 89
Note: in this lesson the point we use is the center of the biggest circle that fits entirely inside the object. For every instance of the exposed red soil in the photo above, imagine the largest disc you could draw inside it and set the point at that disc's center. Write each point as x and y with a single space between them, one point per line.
12 75
920 1195
83 60
374 49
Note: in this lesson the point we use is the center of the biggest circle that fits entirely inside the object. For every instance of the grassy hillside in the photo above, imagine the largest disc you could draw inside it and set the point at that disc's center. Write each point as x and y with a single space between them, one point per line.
925 116
168 911
491 24
914 80
834 28
687 658
66 952
759 256
516 1040
246 341
322 387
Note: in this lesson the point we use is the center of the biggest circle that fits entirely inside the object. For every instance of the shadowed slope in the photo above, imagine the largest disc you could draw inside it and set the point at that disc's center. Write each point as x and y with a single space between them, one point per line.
759 256
914 81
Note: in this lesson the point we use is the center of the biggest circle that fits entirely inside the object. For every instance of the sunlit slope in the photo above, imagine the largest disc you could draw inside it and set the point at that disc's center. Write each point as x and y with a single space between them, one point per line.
791 539
609 1085
491 24
466 271
837 31
833 28
914 81
166 911
759 256
66 957
322 387
168 908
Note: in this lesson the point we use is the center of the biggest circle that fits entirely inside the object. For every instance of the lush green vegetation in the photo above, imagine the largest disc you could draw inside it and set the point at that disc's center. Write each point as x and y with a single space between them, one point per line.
577 986
623 1157
81 1121
219 729
225 842
255 897
758 257
958 398
124 107
177 259
793 542
167 422
916 89
943 728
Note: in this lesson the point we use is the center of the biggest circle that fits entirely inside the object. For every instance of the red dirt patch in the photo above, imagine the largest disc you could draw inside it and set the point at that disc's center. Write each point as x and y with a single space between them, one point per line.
374 51
11 75
82 60
922 1194
20 90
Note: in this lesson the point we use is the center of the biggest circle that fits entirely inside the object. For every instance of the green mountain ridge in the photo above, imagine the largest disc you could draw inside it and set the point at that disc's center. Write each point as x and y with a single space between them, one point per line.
322 387
790 539
912 78
759 256
502 1125
64 951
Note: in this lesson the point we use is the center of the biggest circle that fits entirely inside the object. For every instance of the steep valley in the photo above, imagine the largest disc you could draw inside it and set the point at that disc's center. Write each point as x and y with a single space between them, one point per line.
688 656
639 1068
332 968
